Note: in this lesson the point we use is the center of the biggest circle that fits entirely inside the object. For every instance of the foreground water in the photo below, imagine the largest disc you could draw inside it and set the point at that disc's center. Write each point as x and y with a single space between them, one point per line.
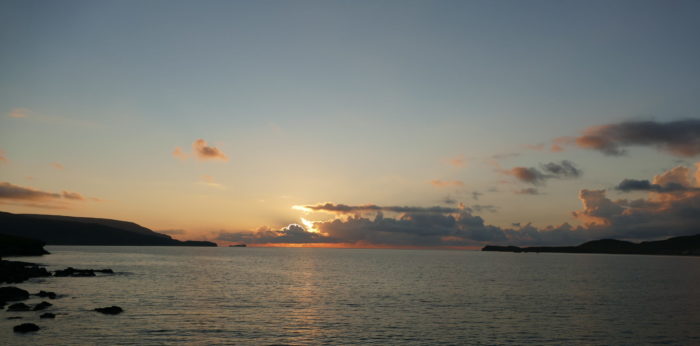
352 296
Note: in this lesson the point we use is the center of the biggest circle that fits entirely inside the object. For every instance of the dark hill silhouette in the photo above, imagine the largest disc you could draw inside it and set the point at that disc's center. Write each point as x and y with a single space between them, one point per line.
20 246
65 230
685 245
123 225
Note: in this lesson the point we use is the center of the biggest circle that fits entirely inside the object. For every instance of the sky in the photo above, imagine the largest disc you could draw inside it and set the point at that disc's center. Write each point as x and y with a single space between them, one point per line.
356 123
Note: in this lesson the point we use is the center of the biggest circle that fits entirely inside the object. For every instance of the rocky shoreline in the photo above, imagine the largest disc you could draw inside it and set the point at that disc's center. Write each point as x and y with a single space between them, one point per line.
16 272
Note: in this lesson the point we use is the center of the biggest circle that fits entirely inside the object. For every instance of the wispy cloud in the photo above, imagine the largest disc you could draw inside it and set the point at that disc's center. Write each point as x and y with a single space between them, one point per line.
527 191
57 165
179 154
209 181
446 183
29 196
457 161
18 113
334 208
16 192
72 195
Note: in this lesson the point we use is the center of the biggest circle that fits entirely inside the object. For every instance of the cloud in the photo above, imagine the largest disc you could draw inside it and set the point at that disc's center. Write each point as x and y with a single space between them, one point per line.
564 169
552 170
555 148
29 196
665 212
504 156
202 151
206 152
535 147
527 175
484 207
3 158
445 183
527 191
57 165
179 154
210 181
677 179
18 113
412 226
15 192
671 208
629 185
291 234
457 161
494 160
456 229
72 195
680 137
449 200
351 209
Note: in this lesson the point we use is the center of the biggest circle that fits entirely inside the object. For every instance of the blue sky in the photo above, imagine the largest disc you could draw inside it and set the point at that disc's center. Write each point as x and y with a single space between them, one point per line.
356 102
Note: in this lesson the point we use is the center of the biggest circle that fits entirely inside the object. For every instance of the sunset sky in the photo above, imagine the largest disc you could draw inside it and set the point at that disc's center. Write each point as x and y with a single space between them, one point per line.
380 123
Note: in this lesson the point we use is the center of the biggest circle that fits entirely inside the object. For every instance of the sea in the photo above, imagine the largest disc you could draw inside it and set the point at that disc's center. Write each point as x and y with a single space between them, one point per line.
311 296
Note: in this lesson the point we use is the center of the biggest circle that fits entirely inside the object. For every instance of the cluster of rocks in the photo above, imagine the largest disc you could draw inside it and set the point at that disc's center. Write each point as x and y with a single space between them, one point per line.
70 271
16 272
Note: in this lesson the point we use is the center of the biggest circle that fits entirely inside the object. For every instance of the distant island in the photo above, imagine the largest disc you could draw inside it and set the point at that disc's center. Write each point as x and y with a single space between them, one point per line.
238 245
68 230
683 246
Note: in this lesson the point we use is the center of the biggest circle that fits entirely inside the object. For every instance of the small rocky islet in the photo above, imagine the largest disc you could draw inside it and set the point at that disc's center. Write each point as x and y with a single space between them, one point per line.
14 272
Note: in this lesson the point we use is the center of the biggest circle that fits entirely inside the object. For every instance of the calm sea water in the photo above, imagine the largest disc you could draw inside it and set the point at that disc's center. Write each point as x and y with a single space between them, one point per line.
206 296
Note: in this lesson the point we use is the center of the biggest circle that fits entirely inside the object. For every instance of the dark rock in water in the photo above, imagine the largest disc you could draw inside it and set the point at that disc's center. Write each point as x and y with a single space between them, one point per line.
47 315
198 243
502 248
46 294
16 272
41 306
25 328
18 307
14 318
112 310
8 294
70 271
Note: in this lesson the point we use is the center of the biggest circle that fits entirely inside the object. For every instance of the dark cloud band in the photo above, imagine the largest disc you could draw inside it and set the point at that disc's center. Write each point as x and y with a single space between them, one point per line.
681 137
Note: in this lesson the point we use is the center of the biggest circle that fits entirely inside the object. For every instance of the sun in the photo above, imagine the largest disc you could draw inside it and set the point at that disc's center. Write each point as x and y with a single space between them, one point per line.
309 225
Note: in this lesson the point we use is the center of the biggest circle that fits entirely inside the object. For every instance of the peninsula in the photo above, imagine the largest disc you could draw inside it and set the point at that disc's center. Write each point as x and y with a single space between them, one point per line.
68 230
684 246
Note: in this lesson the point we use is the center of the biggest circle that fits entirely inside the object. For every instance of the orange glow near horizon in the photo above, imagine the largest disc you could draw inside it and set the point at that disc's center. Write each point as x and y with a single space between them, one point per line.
365 246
